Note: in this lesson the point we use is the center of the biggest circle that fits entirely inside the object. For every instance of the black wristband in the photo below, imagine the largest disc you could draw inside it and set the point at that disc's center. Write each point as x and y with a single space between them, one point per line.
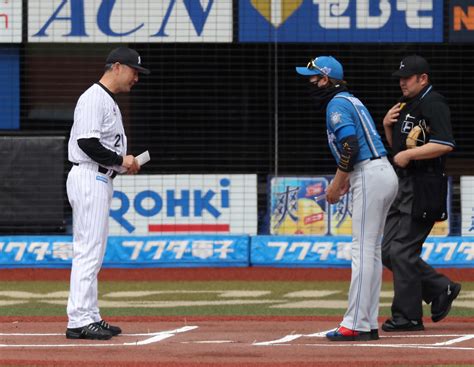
350 149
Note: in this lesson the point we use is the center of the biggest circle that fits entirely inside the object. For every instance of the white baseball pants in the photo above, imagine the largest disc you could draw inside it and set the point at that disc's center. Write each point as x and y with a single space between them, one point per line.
90 195
374 185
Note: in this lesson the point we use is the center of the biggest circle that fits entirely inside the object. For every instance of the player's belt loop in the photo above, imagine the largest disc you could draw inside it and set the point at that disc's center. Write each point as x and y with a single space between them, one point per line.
361 164
111 173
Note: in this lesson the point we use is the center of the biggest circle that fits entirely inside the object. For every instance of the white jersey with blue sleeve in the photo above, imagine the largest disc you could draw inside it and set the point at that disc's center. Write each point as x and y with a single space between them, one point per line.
346 110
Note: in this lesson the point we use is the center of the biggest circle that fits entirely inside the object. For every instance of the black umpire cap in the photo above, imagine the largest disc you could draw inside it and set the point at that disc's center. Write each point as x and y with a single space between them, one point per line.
127 56
412 65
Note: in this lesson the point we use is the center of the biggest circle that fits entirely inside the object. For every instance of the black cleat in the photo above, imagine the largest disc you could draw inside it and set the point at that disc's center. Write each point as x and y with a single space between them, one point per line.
441 305
91 331
115 330
374 334
412 325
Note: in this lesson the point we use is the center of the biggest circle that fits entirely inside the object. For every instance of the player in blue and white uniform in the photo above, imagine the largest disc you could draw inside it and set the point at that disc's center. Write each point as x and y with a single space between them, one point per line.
363 168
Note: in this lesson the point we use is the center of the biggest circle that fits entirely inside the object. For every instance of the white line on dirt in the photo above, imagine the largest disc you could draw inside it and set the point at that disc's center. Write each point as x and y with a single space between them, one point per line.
30 334
209 342
293 337
441 345
457 340
413 346
157 336
56 334
321 334
285 339
163 335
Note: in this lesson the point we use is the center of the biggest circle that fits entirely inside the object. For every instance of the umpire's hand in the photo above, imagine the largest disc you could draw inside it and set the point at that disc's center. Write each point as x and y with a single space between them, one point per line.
392 115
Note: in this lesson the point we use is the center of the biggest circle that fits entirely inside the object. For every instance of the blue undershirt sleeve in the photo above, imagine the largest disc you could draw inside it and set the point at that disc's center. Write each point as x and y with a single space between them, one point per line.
344 132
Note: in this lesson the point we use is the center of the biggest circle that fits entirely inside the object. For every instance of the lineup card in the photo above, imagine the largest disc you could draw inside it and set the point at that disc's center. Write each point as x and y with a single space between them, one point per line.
143 158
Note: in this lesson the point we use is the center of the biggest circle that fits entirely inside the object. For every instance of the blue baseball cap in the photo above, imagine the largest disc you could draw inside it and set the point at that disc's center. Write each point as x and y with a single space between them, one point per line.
322 65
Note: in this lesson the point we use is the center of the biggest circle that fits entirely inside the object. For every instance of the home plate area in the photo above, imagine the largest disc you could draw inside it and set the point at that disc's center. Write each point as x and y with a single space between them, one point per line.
250 340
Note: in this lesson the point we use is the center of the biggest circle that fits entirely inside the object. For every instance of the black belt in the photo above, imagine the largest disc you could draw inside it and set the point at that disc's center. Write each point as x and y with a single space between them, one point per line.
374 158
102 170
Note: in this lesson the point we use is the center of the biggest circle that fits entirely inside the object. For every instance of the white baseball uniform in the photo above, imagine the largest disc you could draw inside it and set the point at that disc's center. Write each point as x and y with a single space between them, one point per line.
370 208
90 190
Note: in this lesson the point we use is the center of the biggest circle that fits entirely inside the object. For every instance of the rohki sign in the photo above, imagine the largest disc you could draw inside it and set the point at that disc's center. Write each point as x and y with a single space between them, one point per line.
181 204
129 20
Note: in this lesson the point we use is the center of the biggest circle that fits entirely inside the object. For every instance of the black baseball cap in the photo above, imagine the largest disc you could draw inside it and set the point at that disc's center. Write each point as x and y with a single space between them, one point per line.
127 56
412 65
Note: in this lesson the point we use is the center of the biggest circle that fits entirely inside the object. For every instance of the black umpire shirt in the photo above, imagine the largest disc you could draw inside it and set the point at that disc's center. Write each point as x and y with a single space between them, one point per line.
427 107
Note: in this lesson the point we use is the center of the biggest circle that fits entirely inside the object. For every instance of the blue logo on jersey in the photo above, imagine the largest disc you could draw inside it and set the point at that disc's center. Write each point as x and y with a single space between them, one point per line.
102 178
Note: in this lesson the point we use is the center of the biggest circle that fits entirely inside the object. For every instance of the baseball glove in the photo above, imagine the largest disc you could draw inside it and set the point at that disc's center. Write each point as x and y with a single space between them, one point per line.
417 136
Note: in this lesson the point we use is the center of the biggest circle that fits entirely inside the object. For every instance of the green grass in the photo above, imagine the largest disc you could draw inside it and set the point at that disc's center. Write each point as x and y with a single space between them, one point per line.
279 294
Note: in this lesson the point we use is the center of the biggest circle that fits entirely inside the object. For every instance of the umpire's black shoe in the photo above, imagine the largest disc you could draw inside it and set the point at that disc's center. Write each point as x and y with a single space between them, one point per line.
412 325
115 330
91 331
441 305
374 334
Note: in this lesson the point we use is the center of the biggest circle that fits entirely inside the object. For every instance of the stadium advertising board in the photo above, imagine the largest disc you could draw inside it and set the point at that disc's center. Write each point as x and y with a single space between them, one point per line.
171 204
297 205
129 21
467 205
341 21
10 21
217 251
335 251
129 252
461 21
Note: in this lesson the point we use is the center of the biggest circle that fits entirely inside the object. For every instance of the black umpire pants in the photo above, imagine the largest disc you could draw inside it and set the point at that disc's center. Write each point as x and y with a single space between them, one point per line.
413 279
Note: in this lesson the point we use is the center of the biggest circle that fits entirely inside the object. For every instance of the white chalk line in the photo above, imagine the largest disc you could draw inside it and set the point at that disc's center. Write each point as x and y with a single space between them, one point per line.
156 337
412 346
285 339
292 337
209 342
441 345
457 340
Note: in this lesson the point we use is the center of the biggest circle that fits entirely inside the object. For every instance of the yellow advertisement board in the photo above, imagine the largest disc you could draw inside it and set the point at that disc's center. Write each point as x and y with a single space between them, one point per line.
298 206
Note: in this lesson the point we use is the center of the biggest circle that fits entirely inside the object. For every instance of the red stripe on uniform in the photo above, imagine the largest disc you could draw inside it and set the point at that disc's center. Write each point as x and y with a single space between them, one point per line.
188 227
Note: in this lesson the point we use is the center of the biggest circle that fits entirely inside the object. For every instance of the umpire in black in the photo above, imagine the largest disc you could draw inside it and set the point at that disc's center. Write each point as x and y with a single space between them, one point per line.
414 280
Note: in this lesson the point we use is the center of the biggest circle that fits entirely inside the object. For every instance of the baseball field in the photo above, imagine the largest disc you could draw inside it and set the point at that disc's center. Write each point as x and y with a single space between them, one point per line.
219 317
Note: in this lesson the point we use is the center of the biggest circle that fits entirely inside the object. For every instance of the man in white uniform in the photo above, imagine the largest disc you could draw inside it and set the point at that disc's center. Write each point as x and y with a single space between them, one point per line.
98 151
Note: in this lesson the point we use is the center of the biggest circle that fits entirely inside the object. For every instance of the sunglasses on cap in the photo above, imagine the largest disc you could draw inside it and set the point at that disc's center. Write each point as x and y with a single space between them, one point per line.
312 66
